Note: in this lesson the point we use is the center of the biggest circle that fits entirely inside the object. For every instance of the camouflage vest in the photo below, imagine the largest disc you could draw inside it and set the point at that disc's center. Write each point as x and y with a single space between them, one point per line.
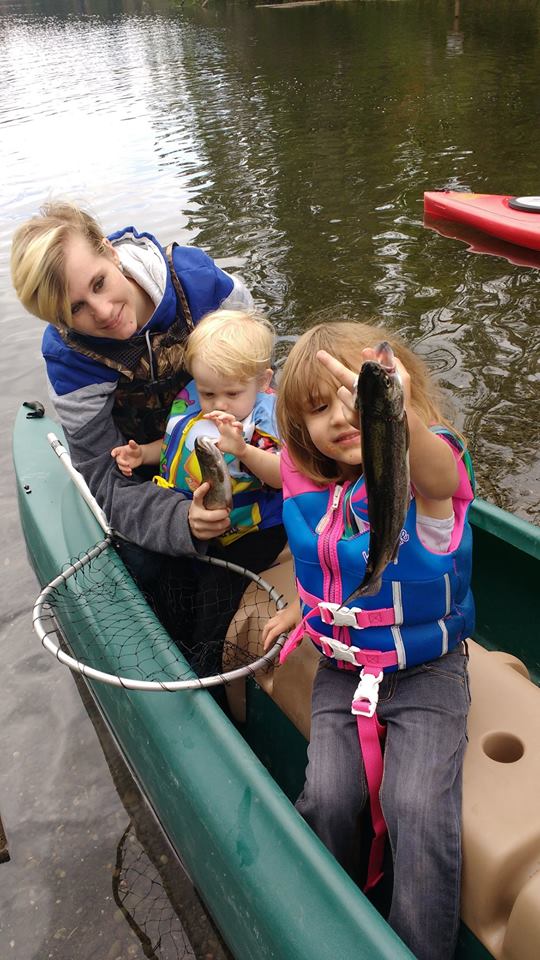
151 369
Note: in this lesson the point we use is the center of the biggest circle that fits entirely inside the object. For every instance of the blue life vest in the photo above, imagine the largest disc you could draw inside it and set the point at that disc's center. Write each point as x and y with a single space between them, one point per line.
425 605
255 506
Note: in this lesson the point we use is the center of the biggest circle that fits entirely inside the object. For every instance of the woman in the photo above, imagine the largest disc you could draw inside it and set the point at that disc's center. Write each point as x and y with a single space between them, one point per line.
119 310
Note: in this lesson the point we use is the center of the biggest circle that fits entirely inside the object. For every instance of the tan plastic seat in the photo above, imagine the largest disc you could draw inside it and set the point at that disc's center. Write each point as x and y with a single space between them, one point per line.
501 809
501 788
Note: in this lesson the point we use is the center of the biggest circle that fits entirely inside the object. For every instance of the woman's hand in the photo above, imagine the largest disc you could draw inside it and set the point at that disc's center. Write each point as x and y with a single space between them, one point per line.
283 622
206 524
231 439
128 457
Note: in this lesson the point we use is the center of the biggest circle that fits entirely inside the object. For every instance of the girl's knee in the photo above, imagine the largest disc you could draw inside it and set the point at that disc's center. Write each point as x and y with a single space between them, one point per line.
404 807
321 803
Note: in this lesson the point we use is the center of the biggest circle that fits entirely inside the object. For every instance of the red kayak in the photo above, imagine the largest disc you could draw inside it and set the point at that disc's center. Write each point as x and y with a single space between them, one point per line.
514 219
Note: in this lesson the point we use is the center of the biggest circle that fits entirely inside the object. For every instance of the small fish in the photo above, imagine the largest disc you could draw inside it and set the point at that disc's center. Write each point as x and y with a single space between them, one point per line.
385 461
214 471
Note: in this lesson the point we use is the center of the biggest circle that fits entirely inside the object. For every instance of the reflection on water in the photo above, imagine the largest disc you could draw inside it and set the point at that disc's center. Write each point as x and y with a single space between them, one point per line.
294 144
302 165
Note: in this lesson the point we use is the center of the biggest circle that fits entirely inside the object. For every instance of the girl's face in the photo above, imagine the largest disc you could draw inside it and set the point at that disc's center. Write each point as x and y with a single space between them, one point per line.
224 393
332 434
104 303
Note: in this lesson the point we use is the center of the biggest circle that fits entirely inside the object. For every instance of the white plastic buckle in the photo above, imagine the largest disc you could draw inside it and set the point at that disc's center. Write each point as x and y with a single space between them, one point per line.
342 616
367 691
340 650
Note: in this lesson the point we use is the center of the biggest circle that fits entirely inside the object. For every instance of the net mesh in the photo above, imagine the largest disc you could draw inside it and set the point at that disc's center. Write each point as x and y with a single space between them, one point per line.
208 618
140 895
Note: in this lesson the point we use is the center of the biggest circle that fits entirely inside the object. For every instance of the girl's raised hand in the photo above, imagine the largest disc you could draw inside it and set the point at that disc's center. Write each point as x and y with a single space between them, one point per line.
231 432
348 380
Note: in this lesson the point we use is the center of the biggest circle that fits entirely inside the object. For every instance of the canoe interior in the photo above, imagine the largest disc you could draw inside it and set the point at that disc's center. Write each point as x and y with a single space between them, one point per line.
221 793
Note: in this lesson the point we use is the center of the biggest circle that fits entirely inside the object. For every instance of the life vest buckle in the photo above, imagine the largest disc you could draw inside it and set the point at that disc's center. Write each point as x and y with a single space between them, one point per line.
336 615
340 651
366 695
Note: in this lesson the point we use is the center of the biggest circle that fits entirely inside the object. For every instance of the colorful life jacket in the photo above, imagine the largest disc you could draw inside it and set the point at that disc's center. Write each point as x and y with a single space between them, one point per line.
255 506
425 604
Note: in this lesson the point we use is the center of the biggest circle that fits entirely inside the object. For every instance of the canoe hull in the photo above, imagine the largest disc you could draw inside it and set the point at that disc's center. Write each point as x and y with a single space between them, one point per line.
270 885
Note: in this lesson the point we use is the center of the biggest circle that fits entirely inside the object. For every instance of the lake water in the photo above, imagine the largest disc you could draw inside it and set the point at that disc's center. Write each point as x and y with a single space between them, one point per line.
294 144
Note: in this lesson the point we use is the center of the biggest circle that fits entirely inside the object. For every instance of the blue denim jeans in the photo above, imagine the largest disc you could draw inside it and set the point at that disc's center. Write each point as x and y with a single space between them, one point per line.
425 712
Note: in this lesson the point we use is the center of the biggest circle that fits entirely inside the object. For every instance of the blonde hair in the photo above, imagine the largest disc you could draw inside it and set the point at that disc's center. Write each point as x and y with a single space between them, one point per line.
304 379
38 258
233 343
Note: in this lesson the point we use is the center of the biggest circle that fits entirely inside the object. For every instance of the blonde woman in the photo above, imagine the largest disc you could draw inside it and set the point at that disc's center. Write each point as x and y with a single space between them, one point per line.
118 311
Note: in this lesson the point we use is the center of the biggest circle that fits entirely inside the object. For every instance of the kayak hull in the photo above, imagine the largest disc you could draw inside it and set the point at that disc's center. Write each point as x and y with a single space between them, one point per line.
489 213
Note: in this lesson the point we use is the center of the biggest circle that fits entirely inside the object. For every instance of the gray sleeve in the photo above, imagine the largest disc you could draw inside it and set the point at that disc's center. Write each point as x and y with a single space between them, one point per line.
151 516
239 298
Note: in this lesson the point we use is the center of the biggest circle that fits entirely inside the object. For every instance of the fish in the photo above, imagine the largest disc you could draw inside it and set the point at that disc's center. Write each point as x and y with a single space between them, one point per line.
385 461
214 471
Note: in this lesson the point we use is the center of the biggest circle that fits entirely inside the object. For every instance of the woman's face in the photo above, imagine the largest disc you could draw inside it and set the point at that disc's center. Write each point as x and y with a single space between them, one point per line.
104 303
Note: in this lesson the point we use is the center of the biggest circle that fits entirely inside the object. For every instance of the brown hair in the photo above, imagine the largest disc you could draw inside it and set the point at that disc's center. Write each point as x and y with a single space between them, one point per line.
38 258
303 376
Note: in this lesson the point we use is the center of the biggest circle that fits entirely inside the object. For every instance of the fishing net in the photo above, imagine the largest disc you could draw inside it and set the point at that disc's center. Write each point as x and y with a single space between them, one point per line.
214 612
160 905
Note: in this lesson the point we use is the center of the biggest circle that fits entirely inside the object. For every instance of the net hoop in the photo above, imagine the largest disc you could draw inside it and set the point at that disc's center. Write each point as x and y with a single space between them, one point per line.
128 683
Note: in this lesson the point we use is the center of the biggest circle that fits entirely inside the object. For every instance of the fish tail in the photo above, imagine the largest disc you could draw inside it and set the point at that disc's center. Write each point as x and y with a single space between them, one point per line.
368 588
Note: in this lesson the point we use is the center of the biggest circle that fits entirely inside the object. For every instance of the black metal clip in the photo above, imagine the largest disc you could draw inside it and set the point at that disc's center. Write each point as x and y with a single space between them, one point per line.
37 409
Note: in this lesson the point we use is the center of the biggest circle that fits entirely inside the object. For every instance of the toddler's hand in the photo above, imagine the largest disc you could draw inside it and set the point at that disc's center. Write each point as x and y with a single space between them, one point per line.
231 439
128 457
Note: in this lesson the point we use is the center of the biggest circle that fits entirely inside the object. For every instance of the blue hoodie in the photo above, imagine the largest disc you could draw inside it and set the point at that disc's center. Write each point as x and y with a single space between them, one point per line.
82 390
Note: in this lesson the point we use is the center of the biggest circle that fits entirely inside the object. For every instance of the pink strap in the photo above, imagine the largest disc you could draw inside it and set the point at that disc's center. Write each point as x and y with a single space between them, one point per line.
295 638
371 734
380 659
383 617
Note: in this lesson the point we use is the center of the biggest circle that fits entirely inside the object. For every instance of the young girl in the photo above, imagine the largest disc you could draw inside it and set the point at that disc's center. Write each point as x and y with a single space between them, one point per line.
406 641
229 355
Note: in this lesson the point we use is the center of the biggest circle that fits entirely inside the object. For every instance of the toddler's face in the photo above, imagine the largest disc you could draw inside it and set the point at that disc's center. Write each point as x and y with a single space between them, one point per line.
223 393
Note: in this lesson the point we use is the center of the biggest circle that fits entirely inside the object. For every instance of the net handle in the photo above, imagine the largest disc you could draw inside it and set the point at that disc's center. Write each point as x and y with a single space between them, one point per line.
79 482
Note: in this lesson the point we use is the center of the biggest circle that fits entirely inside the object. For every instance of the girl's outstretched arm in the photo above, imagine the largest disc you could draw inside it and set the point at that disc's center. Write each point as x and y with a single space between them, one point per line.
433 469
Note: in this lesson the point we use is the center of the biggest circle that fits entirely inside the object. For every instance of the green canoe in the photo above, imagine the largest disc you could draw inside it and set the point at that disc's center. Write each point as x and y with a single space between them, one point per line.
222 791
